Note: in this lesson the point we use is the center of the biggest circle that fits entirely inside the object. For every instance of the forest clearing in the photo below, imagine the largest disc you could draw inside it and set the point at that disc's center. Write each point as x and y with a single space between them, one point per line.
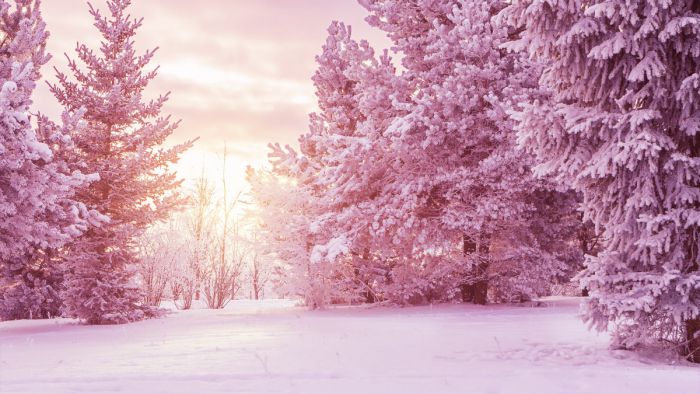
274 347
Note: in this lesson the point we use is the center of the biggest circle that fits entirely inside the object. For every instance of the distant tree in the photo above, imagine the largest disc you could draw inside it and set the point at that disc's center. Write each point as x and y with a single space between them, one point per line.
225 257
285 211
540 251
623 130
122 141
37 208
259 267
161 252
200 231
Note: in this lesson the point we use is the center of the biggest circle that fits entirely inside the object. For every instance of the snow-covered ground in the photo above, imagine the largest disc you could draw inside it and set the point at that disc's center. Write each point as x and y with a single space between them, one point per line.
273 347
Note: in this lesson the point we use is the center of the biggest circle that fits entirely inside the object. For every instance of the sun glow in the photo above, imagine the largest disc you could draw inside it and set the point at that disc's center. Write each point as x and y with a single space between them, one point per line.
236 78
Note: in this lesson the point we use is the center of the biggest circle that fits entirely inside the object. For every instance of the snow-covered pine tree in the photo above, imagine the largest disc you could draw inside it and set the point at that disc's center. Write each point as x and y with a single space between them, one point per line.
38 213
122 141
458 174
324 185
345 143
624 132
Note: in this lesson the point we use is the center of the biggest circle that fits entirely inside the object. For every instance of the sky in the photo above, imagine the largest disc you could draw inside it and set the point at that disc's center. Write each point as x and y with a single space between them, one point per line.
239 71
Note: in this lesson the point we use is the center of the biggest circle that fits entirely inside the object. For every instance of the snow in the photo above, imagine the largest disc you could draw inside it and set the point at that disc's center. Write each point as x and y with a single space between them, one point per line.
275 347
399 126
330 251
8 87
33 145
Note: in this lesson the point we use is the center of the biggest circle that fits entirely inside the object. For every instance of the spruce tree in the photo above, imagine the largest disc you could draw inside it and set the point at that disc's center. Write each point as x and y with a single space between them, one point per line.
458 177
122 141
38 212
623 130
347 151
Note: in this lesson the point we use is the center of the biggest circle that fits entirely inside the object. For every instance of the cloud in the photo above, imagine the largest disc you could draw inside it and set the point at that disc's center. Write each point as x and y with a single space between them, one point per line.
239 70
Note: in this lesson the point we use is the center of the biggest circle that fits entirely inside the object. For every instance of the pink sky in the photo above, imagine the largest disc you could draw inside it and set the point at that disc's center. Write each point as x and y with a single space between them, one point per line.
239 70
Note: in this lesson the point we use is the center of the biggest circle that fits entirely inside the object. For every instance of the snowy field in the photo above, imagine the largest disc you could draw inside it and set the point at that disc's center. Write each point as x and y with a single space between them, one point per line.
273 347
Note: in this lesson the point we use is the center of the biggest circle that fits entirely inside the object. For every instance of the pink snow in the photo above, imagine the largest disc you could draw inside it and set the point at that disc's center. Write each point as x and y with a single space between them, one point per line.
274 347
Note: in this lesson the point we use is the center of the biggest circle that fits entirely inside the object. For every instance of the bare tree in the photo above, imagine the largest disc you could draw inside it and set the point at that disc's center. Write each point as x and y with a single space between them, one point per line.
200 225
221 279
160 250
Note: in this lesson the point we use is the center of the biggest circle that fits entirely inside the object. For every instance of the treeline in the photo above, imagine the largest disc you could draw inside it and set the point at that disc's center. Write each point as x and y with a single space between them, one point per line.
505 148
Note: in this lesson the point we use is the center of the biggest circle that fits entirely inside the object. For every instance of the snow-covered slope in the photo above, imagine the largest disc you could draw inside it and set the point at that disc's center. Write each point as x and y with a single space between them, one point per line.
273 347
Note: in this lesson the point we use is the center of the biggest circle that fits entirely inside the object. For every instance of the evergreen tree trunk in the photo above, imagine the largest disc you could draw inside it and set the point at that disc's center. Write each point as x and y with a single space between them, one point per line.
481 287
468 247
256 285
369 293
476 290
692 330
692 326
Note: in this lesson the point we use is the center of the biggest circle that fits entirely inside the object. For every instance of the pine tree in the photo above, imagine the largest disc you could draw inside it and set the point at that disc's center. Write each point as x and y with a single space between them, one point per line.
459 178
623 131
39 214
122 141
347 151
